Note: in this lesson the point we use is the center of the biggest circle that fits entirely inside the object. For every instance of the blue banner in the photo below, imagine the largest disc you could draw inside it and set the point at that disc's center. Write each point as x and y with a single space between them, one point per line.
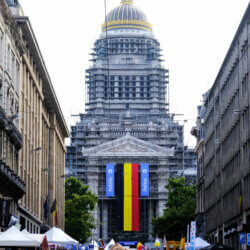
144 180
128 243
110 180
192 235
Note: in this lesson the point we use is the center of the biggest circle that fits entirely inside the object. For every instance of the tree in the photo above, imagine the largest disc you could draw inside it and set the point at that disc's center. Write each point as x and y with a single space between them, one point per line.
79 204
179 211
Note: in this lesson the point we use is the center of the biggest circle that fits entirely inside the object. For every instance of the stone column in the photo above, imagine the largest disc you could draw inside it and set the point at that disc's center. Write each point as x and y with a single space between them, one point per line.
93 180
105 220
150 221
51 167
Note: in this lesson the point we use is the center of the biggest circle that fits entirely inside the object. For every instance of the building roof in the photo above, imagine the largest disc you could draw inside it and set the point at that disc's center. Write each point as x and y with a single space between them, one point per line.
126 16
50 97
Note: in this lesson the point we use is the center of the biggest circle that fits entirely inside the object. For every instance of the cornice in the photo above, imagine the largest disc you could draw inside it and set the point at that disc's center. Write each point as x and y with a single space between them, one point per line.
11 23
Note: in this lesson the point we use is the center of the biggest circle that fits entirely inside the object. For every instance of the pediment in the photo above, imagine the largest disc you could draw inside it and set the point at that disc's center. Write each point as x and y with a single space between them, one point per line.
127 146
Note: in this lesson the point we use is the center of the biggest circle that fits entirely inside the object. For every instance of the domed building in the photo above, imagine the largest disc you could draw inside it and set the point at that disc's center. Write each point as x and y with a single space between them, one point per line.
126 145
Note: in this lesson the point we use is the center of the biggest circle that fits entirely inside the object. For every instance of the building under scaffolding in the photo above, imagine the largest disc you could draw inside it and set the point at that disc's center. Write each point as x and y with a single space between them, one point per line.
127 120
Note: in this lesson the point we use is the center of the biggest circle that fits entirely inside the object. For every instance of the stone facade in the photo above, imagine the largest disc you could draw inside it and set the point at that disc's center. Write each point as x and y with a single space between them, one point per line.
44 130
40 123
12 187
198 132
226 144
127 119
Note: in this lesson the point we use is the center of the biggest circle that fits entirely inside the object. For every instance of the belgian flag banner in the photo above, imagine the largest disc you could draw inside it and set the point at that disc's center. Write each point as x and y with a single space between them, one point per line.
131 197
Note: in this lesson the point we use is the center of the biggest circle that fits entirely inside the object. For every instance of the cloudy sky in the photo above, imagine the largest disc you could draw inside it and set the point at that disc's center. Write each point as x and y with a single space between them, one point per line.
194 35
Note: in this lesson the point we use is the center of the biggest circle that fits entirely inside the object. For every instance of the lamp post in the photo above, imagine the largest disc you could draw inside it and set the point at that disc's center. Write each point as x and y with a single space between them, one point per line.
183 147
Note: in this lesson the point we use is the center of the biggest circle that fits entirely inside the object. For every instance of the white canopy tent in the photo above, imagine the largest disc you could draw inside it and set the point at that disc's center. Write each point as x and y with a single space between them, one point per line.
110 244
37 237
14 238
94 243
57 236
200 243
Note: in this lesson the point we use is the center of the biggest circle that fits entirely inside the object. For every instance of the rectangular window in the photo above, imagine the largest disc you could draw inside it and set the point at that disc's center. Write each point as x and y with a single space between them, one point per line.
13 66
244 85
1 47
8 59
17 77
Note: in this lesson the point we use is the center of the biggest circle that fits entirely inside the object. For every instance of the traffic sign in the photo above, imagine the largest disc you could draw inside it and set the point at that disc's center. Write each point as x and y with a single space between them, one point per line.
248 239
242 238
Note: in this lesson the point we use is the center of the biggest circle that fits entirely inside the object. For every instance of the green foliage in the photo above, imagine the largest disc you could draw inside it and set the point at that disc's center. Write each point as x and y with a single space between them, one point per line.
179 211
79 204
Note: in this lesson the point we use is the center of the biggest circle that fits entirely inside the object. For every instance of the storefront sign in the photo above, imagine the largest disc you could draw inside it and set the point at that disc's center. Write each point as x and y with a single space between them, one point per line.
14 221
4 213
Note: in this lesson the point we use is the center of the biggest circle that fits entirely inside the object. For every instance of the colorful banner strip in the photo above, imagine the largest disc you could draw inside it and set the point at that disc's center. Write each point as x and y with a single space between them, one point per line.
119 186
110 180
144 180
131 198
135 197
127 197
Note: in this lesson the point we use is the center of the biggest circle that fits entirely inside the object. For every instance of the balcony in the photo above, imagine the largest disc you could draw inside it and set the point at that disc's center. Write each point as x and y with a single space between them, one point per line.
11 130
11 185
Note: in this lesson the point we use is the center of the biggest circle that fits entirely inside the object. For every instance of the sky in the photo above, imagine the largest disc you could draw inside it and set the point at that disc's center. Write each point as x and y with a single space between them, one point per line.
195 36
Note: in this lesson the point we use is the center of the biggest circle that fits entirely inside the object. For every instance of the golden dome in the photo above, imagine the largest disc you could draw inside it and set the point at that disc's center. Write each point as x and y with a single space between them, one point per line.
126 16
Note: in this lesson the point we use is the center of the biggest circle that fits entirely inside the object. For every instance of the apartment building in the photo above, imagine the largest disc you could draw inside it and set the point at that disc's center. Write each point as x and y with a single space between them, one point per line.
41 126
12 187
226 144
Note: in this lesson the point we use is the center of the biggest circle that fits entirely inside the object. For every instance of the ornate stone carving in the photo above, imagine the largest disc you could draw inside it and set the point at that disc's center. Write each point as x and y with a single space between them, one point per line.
127 146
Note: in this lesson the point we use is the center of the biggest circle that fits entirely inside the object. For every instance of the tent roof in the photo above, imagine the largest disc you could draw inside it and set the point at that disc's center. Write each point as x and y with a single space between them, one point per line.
199 242
13 237
111 243
57 236
37 237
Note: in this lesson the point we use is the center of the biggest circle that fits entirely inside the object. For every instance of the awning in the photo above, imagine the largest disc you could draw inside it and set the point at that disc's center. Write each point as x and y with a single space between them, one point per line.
14 238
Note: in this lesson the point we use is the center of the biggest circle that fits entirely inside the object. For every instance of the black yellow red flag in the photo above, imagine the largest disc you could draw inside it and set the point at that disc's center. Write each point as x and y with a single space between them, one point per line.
53 210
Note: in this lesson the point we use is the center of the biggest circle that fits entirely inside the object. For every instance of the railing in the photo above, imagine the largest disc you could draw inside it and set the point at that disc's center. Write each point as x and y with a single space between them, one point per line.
11 130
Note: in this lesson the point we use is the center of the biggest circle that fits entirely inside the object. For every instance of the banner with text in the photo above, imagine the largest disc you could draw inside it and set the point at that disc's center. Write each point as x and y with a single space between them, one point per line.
144 179
110 180
192 235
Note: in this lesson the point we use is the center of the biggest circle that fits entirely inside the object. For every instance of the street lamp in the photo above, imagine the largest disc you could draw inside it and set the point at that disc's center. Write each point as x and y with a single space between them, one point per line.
13 117
37 149
183 147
